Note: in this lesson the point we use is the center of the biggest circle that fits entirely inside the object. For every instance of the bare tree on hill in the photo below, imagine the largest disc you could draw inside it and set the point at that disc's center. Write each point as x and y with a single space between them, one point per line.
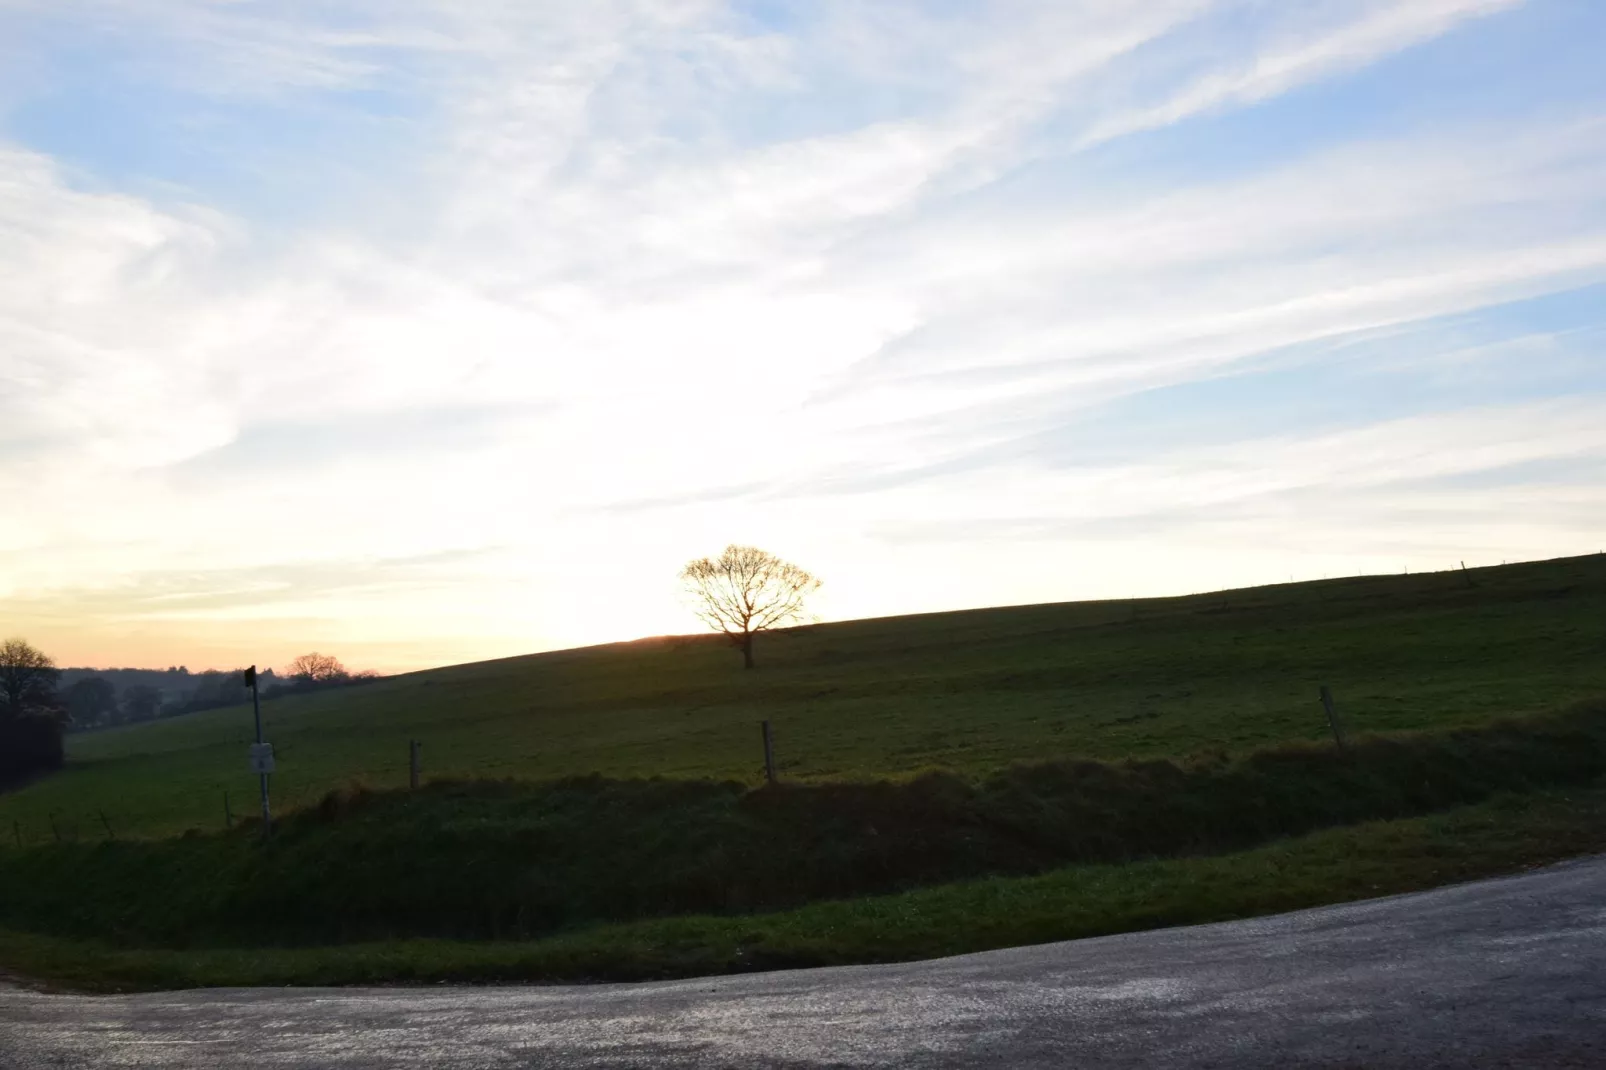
745 591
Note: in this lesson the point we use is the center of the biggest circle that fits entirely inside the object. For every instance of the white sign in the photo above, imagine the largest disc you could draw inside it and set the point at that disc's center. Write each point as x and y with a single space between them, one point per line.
262 757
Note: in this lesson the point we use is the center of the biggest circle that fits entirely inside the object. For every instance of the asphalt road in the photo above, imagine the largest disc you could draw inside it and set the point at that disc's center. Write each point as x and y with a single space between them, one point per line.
1500 973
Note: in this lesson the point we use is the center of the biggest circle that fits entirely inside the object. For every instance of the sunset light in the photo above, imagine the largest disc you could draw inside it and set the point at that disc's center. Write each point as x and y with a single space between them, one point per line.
452 331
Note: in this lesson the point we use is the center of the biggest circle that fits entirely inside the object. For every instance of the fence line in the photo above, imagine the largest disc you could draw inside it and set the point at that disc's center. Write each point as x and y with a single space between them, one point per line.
62 832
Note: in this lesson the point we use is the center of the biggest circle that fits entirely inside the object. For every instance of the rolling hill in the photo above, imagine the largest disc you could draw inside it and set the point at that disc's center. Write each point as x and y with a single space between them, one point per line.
968 692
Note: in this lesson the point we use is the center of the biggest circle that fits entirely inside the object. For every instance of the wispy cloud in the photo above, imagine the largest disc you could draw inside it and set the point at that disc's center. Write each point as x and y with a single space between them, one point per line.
646 277
1294 49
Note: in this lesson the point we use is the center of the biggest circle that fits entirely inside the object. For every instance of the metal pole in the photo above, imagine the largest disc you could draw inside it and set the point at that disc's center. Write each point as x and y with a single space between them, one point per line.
256 709
1333 720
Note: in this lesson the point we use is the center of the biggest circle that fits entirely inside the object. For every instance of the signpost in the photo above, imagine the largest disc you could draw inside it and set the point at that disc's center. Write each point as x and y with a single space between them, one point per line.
262 758
261 753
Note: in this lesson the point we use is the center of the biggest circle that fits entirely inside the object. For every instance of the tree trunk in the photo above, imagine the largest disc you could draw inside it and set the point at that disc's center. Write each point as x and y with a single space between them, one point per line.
747 650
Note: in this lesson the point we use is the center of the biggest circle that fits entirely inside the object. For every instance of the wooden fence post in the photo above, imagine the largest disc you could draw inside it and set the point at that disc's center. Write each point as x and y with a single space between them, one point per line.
769 754
1332 716
413 747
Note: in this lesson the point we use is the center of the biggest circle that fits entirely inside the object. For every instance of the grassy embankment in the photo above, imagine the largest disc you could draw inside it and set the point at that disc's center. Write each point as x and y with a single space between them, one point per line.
643 878
1507 834
967 692
509 860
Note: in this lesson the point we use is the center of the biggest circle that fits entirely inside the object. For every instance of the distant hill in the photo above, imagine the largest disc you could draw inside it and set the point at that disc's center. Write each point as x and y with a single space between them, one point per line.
973 691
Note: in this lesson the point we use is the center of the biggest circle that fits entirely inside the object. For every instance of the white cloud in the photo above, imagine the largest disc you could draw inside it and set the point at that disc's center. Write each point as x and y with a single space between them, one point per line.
93 292
1310 49
659 253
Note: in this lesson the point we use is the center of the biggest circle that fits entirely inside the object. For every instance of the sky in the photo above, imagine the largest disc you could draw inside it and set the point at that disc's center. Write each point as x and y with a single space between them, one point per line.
426 331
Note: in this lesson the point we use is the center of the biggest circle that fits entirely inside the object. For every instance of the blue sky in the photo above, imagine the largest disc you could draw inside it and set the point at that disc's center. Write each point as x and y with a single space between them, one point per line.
425 332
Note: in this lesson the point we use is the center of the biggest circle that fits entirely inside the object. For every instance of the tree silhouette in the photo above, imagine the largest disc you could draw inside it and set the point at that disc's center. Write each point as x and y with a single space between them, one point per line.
141 702
91 700
745 591
31 714
27 681
316 668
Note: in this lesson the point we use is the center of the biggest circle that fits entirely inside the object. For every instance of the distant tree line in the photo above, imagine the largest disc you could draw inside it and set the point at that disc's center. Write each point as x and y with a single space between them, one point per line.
39 702
102 698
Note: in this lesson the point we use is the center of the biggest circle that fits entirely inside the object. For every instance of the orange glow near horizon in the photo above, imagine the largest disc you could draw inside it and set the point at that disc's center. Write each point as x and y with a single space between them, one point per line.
390 648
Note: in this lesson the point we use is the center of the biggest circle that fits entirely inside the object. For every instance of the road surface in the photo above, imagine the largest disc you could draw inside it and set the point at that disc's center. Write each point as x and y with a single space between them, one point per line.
1499 973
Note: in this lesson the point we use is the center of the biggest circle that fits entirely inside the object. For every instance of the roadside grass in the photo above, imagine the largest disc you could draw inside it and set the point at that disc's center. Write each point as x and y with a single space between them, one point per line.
509 860
967 693
1503 835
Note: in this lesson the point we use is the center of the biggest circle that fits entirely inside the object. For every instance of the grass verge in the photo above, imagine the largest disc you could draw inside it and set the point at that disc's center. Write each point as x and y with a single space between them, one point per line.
1503 835
507 860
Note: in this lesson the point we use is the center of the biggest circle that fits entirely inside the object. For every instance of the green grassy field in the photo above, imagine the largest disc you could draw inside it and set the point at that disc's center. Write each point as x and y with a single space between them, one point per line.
968 692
